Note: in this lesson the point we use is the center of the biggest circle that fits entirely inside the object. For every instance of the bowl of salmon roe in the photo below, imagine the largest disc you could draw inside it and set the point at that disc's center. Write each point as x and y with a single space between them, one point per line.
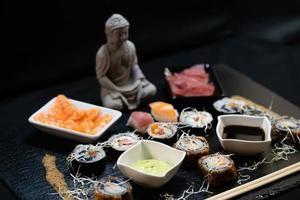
73 119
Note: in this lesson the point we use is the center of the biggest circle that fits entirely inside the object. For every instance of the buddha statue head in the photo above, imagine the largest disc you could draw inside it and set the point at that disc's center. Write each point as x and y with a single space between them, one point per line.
116 30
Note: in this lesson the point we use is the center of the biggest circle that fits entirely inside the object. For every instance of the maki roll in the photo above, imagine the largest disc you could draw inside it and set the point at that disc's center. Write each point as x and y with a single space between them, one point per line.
194 146
140 121
196 119
113 188
286 128
256 111
163 132
228 105
218 169
88 160
122 141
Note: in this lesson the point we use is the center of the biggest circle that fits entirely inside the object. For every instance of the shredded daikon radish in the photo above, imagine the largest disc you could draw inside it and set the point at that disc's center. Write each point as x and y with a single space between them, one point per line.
271 103
103 144
189 192
242 178
281 151
254 166
245 177
297 135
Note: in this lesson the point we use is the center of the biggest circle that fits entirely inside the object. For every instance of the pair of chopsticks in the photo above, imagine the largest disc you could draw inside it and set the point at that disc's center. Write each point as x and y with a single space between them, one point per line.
257 183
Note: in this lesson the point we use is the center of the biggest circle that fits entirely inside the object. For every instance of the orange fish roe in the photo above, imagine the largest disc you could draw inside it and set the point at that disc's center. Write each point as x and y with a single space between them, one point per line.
63 114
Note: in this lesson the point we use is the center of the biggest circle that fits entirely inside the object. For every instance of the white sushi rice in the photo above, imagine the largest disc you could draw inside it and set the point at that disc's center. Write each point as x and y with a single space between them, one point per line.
217 162
123 141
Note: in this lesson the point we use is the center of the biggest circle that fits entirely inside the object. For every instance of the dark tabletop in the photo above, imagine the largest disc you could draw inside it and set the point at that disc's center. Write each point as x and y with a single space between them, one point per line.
22 146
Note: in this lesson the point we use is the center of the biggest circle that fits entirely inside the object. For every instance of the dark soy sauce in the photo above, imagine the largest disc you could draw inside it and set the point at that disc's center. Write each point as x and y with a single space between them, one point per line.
243 133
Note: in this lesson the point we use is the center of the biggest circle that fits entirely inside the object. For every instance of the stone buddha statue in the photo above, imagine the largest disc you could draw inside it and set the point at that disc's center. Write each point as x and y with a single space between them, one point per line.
123 84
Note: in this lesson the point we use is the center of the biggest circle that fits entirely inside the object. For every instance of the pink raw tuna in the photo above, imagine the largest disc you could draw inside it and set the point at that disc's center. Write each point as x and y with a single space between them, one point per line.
193 81
140 121
198 72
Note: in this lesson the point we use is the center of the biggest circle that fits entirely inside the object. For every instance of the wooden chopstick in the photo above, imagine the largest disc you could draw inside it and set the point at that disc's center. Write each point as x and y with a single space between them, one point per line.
257 183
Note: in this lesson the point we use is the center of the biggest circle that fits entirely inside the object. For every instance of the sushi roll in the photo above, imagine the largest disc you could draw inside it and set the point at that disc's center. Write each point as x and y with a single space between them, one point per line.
88 160
227 105
196 119
121 142
194 146
218 169
255 111
113 188
288 128
163 132
140 121
163 112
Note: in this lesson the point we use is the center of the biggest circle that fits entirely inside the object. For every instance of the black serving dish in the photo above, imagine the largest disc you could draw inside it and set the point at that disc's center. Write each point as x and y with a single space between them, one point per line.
197 101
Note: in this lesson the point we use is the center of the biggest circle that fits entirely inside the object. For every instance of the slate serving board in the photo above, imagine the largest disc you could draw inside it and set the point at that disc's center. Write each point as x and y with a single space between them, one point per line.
22 146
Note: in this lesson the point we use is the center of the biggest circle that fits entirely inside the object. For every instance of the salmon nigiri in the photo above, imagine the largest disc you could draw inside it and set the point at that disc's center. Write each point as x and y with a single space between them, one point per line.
140 121
163 112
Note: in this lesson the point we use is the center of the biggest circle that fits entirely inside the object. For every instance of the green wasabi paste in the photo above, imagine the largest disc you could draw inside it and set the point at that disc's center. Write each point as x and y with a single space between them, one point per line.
152 166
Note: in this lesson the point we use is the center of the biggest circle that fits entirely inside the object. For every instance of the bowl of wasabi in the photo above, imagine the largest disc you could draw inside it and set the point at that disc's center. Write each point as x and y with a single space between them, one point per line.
149 164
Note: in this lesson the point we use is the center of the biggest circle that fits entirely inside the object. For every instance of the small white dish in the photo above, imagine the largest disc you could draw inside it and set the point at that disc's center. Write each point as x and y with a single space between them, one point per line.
71 134
146 149
244 147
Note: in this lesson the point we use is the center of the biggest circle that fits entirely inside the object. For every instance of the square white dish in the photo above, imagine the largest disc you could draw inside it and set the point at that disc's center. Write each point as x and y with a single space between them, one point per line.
146 149
71 134
244 147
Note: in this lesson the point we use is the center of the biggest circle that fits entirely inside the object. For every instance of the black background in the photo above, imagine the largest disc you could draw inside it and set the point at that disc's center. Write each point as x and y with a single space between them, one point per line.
49 43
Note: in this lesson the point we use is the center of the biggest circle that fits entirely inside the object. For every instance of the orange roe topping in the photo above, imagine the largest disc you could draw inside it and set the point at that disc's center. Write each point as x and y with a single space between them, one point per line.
63 114
156 129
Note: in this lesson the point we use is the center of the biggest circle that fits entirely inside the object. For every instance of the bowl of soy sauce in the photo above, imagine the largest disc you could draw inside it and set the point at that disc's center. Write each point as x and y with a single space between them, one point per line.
244 134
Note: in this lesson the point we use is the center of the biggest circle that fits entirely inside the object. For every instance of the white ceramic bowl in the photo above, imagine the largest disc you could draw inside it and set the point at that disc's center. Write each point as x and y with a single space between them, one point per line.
71 134
244 147
146 149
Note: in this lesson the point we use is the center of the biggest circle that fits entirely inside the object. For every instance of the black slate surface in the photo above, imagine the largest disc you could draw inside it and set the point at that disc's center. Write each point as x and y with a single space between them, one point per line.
22 146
